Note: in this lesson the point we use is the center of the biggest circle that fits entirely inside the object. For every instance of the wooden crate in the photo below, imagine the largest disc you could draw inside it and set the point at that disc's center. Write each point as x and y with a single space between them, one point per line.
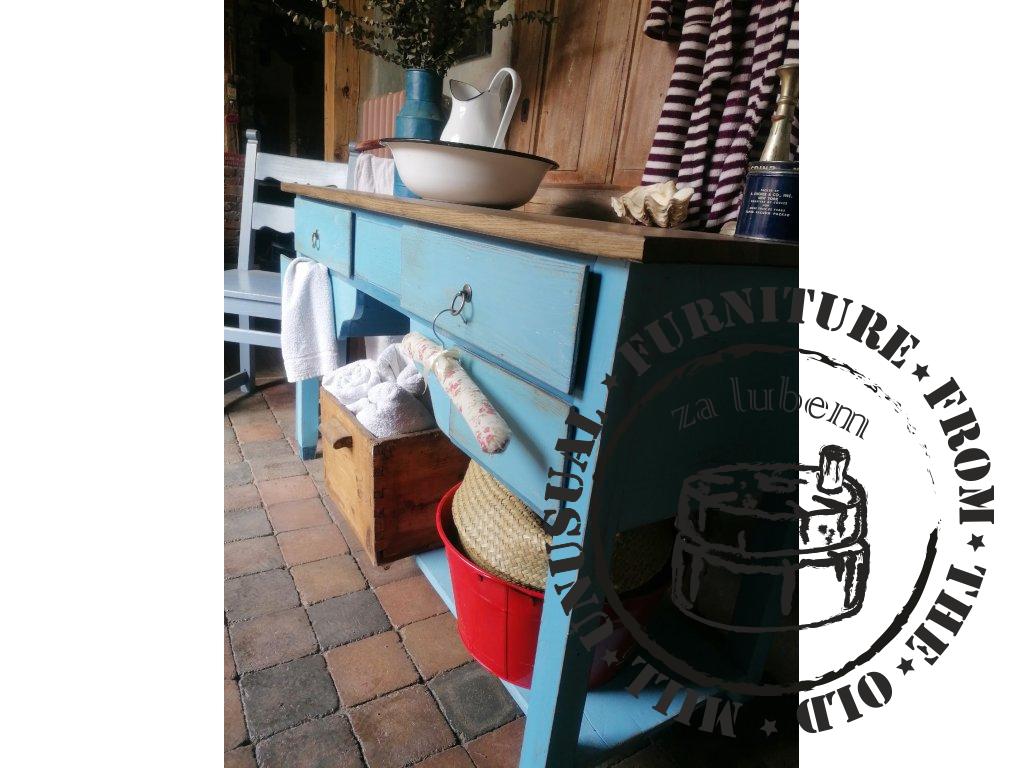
387 488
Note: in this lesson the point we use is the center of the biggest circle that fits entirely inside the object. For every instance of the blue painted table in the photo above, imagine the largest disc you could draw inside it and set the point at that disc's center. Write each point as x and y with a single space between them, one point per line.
553 298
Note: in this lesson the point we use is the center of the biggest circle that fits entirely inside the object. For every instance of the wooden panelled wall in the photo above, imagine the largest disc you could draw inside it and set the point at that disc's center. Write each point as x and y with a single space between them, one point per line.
341 91
593 88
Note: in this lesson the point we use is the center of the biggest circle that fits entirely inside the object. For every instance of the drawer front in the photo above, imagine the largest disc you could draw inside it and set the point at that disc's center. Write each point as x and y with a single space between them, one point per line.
378 251
324 232
535 418
525 308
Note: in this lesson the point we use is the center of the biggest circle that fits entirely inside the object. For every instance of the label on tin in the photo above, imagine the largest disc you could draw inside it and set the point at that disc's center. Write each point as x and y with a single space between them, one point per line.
770 207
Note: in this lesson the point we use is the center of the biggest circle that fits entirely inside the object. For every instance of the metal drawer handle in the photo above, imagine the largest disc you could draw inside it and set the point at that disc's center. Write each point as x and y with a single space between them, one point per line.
466 294
315 239
459 302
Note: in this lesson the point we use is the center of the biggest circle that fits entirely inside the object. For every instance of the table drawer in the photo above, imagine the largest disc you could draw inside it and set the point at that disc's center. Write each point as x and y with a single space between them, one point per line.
378 251
536 419
324 232
526 304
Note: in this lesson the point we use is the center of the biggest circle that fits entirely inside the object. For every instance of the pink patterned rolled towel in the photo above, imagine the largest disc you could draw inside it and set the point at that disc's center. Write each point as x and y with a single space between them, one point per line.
489 429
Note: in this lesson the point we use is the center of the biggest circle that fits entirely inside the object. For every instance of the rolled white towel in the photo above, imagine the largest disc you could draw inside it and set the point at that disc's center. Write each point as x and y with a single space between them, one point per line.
389 410
411 380
359 405
352 382
395 365
390 362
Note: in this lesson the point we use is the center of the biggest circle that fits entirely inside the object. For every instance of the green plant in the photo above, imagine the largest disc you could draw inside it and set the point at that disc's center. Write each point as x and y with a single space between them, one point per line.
415 34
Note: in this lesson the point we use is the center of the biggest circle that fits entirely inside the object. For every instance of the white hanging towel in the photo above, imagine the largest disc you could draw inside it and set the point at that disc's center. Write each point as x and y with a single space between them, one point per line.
309 341
374 174
377 175
393 364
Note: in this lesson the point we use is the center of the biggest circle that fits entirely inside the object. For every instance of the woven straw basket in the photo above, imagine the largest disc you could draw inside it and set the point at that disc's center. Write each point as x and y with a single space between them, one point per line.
503 536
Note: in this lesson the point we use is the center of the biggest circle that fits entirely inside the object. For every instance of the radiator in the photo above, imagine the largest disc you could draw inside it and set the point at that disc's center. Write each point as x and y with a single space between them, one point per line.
377 119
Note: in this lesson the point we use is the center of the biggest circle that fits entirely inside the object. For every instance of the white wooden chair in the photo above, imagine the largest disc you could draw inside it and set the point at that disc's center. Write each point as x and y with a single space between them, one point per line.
251 293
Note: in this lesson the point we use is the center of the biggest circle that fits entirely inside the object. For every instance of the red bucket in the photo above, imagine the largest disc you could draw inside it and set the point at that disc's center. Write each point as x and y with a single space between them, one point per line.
499 621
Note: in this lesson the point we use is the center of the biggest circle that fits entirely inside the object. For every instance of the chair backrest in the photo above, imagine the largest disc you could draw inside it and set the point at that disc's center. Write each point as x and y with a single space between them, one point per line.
260 166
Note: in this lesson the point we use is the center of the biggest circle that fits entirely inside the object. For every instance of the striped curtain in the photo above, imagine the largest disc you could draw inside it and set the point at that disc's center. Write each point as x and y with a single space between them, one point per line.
719 103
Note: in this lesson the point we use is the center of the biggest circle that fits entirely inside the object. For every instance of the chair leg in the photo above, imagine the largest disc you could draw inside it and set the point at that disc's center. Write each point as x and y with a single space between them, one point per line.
247 358
307 416
235 381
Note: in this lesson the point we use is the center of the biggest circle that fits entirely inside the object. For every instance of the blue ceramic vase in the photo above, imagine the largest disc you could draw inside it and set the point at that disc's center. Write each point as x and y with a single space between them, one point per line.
421 116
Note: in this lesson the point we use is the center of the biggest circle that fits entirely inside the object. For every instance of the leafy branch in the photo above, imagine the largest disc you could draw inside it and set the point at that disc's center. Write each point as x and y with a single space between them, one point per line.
414 34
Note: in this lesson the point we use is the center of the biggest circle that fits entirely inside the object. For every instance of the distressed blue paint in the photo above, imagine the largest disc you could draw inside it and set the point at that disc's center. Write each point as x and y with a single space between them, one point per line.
535 418
358 314
657 290
560 673
523 357
324 232
307 416
526 302
378 256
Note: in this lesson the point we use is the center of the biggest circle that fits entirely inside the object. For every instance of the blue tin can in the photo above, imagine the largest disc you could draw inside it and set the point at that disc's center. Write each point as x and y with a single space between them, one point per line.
771 201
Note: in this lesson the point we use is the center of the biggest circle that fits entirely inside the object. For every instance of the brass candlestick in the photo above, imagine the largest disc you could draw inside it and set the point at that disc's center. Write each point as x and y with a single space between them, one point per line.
777 146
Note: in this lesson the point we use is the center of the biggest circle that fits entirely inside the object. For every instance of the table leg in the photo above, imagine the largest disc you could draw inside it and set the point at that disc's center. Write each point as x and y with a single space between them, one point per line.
307 416
558 692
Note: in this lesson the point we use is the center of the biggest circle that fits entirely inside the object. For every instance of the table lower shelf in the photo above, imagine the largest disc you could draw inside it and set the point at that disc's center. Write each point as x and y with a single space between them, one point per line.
612 717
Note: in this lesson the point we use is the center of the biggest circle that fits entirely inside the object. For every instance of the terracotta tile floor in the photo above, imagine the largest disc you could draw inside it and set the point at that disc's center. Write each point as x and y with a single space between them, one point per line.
331 661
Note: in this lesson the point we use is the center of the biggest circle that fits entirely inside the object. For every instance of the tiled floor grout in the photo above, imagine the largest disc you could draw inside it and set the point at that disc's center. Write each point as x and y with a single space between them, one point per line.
254 406
354 547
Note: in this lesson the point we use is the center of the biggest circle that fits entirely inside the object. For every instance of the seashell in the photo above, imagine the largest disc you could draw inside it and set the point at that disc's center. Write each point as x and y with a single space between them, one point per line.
659 205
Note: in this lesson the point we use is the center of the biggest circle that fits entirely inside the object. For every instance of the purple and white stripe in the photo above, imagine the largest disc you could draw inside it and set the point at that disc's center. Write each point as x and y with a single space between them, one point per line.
720 99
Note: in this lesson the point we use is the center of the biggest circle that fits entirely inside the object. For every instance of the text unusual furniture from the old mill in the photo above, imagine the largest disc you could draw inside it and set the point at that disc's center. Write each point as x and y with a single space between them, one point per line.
552 301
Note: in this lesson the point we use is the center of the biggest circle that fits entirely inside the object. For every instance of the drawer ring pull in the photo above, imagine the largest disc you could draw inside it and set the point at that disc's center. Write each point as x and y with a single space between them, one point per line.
315 239
458 304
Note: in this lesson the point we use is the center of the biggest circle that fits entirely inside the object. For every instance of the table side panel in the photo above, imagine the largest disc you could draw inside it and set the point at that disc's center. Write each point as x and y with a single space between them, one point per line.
680 414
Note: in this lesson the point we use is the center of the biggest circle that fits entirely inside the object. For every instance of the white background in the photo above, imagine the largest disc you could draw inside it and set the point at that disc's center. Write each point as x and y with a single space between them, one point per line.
111 137
910 154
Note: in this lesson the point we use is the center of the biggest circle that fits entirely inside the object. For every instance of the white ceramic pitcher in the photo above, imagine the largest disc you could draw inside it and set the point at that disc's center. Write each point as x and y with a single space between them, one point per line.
476 116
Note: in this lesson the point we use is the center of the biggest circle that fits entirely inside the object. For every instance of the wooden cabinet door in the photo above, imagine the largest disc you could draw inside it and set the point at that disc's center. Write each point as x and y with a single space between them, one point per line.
576 83
650 72
593 88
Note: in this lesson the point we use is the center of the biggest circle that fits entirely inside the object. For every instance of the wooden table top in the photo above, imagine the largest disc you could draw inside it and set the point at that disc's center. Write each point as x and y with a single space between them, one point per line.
584 236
